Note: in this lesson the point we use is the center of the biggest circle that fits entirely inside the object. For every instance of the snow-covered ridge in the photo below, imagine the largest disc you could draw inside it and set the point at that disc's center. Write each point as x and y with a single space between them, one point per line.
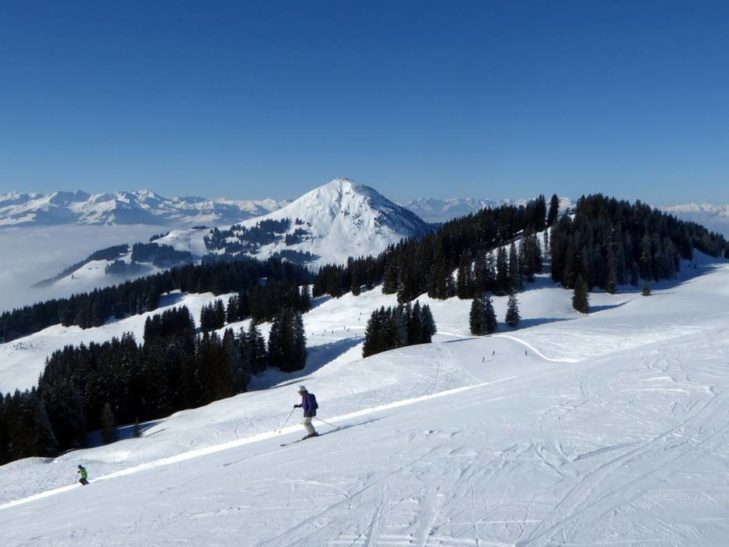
707 208
443 210
139 207
711 215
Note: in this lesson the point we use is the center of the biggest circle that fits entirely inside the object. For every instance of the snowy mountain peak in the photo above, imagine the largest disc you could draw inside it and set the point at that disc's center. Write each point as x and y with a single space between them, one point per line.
328 224
343 195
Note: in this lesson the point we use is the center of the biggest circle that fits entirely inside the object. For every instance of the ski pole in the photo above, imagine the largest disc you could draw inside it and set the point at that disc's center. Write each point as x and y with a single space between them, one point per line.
324 421
287 420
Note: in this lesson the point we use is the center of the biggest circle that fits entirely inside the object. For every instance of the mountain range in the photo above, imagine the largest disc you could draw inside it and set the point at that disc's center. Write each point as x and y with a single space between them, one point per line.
144 207
138 207
329 224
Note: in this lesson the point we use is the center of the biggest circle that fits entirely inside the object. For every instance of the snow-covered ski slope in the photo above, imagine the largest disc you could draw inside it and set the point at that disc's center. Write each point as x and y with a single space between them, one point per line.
610 429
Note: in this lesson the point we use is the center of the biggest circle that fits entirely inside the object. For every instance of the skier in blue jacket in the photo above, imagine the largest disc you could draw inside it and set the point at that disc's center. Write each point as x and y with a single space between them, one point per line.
309 404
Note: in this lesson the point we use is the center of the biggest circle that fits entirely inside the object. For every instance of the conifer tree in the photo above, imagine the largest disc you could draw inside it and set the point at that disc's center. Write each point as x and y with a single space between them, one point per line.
298 357
259 355
219 310
512 312
514 272
414 326
464 280
553 210
580 297
490 315
501 286
390 278
232 311
439 278
371 344
304 299
611 282
239 367
477 316
45 440
646 291
429 327
107 424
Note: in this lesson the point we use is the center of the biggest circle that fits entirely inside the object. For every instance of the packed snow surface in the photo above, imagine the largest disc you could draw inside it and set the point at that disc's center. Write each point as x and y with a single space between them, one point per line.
607 429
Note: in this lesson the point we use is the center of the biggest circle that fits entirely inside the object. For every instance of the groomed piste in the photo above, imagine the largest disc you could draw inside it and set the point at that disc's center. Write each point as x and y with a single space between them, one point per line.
605 429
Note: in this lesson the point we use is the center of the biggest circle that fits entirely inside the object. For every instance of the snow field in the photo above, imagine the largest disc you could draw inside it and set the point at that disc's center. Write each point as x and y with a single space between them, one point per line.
609 429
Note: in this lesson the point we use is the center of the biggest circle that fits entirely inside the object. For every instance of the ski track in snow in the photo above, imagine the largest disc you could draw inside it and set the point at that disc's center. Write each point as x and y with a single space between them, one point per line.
609 429
192 454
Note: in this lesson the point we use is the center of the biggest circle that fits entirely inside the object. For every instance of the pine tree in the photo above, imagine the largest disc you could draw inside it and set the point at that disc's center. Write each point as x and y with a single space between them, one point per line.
298 357
514 271
219 312
464 278
107 424
390 278
439 279
501 286
287 341
553 210
304 299
477 316
414 326
490 315
233 356
512 312
429 328
580 297
259 356
371 344
232 313
646 291
611 282
45 440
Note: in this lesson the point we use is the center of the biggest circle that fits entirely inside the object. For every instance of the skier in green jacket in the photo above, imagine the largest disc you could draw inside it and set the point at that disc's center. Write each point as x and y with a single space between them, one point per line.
84 475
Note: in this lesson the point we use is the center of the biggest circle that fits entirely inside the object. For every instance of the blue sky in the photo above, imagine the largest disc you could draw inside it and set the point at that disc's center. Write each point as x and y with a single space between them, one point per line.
253 99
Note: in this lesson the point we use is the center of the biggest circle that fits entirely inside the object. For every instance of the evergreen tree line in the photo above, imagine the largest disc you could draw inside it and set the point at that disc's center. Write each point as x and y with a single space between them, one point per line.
501 272
610 243
93 387
413 267
261 303
133 297
403 325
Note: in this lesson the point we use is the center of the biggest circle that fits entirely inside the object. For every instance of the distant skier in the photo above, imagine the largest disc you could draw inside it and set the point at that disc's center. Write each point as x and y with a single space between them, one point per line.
84 475
309 404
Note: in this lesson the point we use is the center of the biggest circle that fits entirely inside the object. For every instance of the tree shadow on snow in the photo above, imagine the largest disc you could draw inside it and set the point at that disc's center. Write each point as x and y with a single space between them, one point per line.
534 321
170 299
604 307
319 300
317 357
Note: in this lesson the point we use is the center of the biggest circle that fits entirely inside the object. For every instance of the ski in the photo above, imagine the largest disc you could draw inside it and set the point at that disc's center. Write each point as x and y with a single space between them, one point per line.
294 442
302 439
